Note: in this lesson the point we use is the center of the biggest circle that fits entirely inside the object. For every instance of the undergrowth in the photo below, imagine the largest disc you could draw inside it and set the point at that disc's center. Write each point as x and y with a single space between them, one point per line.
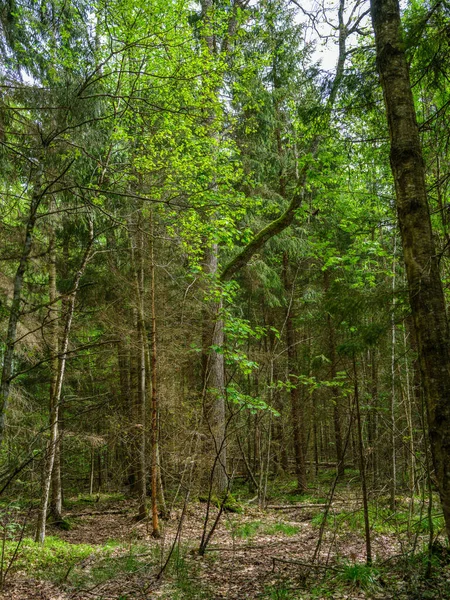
252 528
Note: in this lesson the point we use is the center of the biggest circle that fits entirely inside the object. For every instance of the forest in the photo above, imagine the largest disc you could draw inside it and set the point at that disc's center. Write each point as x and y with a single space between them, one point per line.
224 273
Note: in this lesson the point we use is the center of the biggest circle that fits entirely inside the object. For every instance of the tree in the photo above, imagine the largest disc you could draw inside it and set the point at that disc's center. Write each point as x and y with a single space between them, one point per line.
421 261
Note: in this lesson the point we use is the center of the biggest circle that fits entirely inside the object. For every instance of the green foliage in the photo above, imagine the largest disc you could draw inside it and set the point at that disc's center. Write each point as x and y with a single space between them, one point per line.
382 520
281 528
360 575
248 529
231 504
54 560
184 577
251 528
279 592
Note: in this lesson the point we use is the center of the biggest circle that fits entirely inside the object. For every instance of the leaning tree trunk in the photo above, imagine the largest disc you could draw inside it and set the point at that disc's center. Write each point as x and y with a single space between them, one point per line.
422 269
54 412
53 314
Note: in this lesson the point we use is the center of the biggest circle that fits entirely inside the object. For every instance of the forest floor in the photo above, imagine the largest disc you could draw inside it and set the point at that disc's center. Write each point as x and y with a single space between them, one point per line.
255 554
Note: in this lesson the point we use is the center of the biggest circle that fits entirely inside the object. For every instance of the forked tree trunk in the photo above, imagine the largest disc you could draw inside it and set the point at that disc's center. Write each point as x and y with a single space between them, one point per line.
422 268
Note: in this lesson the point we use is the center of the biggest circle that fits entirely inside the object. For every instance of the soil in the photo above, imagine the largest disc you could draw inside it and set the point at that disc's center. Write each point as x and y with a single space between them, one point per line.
232 568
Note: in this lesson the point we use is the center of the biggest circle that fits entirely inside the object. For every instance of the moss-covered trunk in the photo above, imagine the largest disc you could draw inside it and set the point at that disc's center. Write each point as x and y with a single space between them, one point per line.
422 268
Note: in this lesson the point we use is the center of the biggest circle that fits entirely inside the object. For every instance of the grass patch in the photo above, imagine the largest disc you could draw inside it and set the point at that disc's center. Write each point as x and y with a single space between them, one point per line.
52 561
279 592
283 528
382 520
77 564
359 575
247 530
251 528
185 578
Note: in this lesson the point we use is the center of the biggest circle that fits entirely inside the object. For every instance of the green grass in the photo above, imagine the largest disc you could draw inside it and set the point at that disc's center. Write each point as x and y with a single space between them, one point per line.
248 529
279 592
52 561
78 564
359 575
251 528
184 577
382 520
284 528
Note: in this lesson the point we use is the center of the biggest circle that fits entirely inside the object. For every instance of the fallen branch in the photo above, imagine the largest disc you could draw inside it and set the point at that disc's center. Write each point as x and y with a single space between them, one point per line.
292 506
93 513
303 564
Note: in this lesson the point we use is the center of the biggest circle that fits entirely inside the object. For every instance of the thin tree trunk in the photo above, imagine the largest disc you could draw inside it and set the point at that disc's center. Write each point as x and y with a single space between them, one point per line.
362 467
56 495
154 463
214 381
393 481
137 251
337 420
91 476
421 261
296 410
54 414
15 310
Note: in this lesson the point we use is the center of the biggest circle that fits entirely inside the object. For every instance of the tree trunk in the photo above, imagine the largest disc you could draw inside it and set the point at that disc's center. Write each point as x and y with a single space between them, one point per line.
56 496
422 268
154 463
137 251
362 467
337 420
214 381
54 413
296 409
15 310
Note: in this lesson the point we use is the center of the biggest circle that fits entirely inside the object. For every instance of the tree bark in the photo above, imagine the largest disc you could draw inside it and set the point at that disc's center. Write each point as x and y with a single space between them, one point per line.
296 408
56 496
137 251
15 310
337 420
422 269
154 462
54 413
362 467
214 381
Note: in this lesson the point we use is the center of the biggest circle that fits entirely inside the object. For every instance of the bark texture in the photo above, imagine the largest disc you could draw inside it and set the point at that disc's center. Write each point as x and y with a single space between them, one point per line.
15 310
297 412
422 268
